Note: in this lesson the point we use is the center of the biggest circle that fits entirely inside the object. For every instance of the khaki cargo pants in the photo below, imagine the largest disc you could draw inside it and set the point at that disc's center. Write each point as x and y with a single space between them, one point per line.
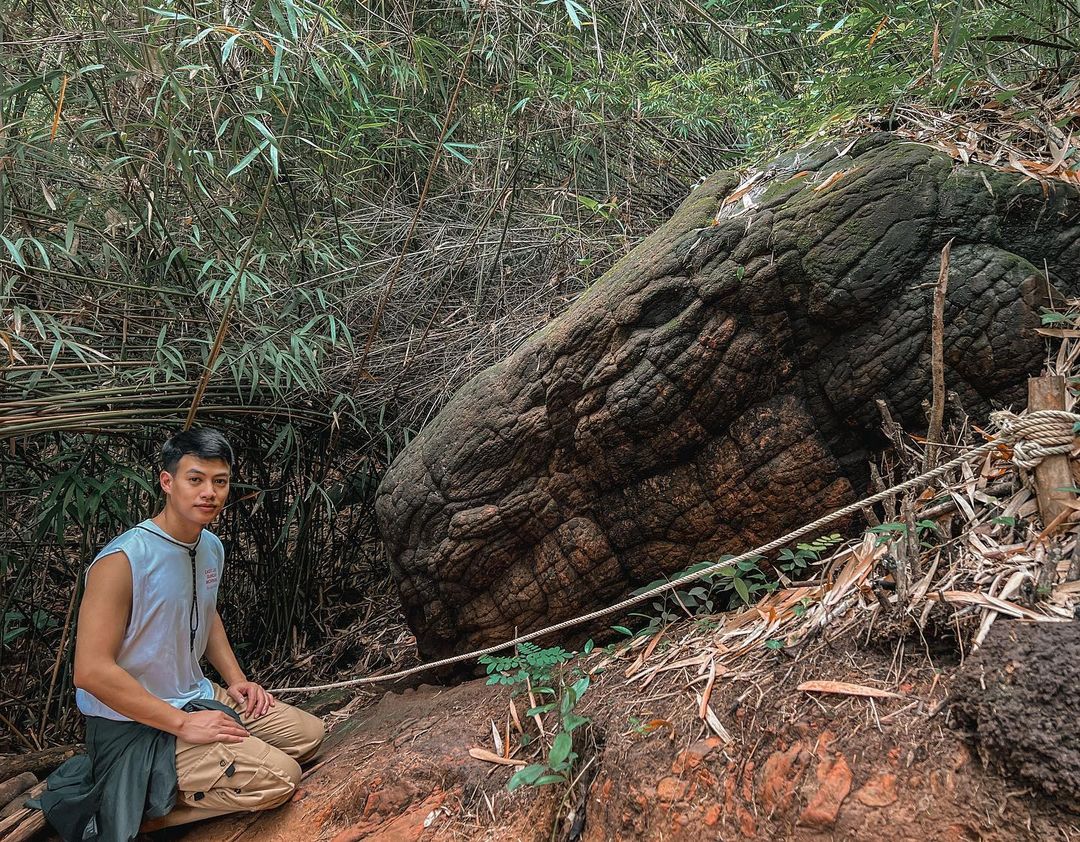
257 774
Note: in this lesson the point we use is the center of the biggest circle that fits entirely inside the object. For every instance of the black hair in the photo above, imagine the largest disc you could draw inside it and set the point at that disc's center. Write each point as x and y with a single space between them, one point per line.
204 442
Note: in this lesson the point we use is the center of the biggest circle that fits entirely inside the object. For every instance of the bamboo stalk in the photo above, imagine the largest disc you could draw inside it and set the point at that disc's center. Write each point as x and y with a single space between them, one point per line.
60 650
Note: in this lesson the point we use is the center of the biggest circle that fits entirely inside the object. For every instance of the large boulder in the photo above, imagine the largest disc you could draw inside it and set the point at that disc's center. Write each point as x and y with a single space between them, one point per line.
718 385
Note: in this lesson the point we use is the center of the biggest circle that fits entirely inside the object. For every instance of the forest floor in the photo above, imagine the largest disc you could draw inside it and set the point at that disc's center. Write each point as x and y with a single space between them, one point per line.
799 765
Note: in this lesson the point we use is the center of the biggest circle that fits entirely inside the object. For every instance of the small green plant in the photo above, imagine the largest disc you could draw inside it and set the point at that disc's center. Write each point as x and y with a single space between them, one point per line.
888 532
728 587
561 756
792 561
530 664
1053 317
926 529
891 531
16 623
559 690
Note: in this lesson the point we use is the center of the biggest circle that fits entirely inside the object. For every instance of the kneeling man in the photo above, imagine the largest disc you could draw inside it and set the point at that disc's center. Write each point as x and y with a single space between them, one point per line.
148 615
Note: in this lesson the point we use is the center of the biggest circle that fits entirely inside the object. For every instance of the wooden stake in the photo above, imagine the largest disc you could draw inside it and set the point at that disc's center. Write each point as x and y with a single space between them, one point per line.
1053 474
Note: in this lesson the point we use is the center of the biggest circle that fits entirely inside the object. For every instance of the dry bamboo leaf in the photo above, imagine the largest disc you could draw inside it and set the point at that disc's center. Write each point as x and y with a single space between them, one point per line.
696 661
1025 167
1059 332
843 152
644 656
843 688
13 355
496 738
713 721
984 629
488 757
831 180
924 585
652 645
706 694
59 108
516 719
1010 609
50 200
1060 154
742 189
877 32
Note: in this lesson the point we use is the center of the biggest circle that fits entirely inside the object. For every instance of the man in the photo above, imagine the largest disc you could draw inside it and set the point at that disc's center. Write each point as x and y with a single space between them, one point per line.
141 636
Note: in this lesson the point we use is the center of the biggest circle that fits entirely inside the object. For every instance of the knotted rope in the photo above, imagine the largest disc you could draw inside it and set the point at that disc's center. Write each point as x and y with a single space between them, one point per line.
1036 435
1033 436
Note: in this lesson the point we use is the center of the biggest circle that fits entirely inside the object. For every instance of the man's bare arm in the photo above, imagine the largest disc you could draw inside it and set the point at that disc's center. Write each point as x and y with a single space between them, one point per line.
103 618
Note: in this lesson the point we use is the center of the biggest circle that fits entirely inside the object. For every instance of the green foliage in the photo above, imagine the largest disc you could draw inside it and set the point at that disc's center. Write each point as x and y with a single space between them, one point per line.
730 586
725 588
793 561
541 671
561 757
886 532
529 664
802 607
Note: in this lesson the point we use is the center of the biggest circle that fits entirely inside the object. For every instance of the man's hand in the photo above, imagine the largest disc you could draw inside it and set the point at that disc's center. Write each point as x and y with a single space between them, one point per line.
255 699
211 726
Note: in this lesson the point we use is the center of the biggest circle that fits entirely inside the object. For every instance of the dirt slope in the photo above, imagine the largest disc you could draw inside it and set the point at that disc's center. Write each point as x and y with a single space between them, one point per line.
799 765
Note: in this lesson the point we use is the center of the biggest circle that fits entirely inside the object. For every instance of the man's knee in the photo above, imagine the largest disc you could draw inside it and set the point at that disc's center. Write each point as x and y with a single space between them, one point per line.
312 734
277 780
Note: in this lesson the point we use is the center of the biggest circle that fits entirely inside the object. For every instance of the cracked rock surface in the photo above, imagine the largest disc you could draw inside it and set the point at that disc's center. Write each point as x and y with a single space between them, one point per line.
717 387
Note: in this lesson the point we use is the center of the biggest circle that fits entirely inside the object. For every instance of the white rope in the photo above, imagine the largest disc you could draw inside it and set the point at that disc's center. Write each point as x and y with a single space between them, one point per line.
1047 432
1036 427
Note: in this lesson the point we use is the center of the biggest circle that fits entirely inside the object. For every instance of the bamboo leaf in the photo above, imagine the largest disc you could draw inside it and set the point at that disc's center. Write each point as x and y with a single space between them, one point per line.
14 252
247 159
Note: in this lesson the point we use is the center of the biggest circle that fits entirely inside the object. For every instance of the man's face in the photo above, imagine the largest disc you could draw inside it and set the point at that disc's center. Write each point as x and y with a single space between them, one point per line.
199 488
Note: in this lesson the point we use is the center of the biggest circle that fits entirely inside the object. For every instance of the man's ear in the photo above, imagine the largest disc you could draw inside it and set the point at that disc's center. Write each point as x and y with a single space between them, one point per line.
165 479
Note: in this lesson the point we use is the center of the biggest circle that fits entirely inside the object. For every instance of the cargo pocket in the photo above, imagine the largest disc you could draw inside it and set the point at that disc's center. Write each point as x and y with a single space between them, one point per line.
215 767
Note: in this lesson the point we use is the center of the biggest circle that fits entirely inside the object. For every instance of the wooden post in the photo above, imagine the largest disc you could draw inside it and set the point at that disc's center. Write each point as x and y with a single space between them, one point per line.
1053 473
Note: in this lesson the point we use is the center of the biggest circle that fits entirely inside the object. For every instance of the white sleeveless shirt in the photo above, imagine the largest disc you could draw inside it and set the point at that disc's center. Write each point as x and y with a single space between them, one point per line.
156 649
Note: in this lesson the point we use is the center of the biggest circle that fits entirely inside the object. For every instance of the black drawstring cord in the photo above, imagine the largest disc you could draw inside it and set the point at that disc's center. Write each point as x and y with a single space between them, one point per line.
193 614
